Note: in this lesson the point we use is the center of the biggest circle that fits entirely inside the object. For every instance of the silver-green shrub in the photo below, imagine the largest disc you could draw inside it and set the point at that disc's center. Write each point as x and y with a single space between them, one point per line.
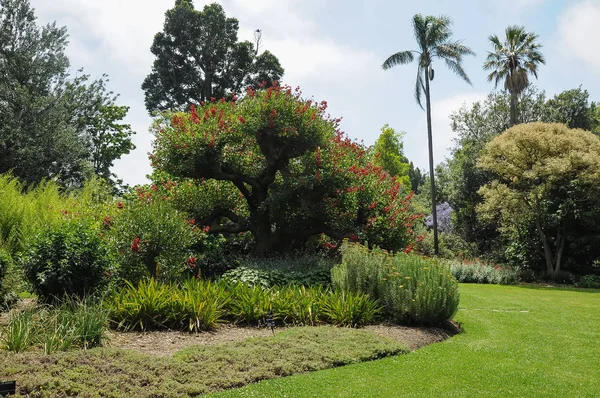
412 289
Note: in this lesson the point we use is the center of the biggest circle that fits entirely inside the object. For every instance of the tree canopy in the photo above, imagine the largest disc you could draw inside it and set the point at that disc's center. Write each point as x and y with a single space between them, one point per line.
52 125
547 174
198 57
296 174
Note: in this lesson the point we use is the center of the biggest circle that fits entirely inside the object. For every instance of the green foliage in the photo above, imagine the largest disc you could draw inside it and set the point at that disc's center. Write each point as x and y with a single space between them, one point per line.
589 282
20 332
307 270
73 323
451 245
349 309
152 239
412 289
285 173
52 126
388 153
8 281
198 57
200 305
125 373
546 178
69 258
482 272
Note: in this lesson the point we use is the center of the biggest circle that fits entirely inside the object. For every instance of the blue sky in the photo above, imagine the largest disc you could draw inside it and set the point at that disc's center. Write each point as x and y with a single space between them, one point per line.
333 49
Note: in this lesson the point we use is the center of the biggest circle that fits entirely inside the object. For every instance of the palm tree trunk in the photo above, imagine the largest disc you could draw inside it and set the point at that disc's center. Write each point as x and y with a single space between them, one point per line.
436 248
513 108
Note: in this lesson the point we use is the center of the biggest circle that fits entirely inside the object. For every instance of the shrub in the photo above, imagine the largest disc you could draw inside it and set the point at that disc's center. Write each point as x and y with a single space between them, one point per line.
412 289
153 240
68 258
589 282
481 272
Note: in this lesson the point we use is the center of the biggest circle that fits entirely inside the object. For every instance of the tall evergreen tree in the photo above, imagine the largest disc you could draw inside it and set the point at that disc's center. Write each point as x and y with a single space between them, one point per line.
198 57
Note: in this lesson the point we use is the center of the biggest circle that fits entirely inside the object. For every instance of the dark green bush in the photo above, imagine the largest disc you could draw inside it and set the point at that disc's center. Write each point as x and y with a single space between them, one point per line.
152 239
412 289
68 258
589 282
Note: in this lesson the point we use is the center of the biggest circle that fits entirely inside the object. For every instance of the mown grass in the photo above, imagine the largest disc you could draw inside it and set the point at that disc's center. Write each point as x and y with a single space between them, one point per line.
102 372
516 342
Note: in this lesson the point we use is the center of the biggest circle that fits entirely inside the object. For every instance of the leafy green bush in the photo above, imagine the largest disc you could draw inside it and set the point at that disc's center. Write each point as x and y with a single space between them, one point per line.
481 272
10 281
153 240
412 289
589 282
200 305
68 258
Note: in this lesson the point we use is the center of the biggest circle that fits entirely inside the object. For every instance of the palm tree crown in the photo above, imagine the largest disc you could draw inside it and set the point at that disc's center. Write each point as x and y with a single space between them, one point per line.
433 37
513 61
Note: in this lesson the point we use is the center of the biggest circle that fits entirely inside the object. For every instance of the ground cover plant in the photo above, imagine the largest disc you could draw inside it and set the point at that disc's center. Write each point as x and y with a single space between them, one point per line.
195 370
412 289
515 341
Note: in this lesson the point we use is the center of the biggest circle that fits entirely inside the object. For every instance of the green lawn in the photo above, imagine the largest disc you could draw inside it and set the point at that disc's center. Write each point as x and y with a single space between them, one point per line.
516 342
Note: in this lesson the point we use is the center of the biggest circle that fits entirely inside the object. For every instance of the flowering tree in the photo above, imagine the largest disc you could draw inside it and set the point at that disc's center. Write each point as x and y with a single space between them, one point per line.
276 165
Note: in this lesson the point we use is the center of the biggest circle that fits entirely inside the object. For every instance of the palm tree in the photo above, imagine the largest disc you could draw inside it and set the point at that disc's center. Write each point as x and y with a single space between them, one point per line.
512 61
433 37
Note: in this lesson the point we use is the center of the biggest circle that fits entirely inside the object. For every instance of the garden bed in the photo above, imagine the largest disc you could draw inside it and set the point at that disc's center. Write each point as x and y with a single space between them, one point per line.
167 343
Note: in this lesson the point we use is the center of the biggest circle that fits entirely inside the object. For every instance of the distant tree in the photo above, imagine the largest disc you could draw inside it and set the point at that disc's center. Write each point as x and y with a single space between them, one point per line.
513 61
198 57
547 174
388 153
51 125
573 108
417 178
433 36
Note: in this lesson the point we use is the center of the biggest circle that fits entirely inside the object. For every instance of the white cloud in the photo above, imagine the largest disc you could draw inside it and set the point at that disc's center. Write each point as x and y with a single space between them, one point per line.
579 29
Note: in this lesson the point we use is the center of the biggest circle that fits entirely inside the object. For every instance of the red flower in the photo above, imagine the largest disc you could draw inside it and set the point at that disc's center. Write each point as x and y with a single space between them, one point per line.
353 237
120 205
191 262
135 245
192 221
372 205
206 229
107 221
330 245
241 119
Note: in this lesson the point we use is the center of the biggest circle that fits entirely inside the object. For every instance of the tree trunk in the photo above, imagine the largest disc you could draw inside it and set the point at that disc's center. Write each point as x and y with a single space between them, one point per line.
513 108
431 169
